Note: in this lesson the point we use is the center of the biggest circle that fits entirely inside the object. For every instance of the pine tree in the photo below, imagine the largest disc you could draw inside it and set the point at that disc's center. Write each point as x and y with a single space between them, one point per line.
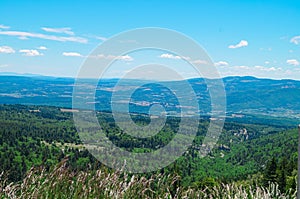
282 174
270 172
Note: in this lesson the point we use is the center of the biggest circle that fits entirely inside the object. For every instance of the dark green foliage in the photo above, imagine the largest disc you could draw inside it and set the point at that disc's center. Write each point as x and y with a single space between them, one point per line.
42 135
270 172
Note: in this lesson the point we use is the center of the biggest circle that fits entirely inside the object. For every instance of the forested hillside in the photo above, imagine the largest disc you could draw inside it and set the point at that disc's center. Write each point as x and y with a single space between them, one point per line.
34 136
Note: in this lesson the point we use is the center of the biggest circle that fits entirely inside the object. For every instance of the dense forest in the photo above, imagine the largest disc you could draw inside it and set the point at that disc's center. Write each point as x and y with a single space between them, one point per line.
43 137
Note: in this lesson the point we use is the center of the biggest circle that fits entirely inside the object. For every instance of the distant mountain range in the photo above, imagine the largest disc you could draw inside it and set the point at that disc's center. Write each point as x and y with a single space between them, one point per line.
244 95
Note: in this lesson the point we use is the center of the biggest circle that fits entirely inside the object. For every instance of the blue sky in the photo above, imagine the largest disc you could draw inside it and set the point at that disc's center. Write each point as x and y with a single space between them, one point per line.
258 38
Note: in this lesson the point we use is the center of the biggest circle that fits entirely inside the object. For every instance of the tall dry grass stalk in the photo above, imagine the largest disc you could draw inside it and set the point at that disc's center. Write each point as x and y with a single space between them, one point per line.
64 183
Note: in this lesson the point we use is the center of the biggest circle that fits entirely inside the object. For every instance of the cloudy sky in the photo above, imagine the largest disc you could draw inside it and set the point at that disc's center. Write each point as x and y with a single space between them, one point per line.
257 38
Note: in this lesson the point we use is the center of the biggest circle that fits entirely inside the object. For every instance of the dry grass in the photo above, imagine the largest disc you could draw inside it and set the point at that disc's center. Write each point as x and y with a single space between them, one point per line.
63 183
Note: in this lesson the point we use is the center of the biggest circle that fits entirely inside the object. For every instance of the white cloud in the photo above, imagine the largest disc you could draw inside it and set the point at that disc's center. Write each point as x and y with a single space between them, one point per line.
242 43
261 71
21 34
267 62
171 56
242 67
293 62
256 71
42 48
262 68
101 38
4 27
123 57
6 49
59 30
295 40
92 36
221 63
30 53
72 54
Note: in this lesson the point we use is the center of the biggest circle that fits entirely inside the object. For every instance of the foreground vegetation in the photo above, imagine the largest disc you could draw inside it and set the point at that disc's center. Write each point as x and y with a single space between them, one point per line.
65 183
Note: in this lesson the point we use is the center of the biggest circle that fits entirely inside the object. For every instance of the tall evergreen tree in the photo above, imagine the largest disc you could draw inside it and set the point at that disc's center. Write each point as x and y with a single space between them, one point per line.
270 174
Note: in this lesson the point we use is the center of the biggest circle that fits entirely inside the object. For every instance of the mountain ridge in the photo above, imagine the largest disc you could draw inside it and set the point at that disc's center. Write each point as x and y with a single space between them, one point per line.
244 95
